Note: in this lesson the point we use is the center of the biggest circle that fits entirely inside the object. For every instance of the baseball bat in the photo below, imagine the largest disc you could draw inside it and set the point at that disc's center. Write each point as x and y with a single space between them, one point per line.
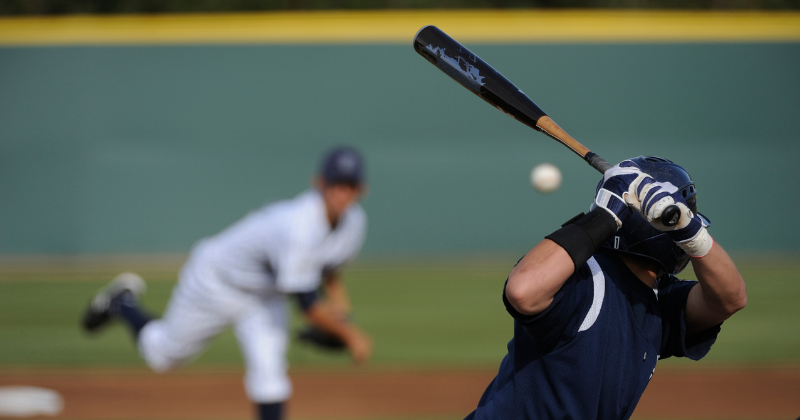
480 78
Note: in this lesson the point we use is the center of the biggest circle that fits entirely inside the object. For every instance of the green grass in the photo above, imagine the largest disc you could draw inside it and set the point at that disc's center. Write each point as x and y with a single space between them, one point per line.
447 315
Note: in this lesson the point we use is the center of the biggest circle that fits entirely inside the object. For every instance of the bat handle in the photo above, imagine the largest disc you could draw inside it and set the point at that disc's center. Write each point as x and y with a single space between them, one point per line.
597 162
671 215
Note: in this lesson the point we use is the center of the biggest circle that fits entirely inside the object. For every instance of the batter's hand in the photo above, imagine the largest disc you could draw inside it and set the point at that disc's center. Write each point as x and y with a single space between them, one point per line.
615 187
651 198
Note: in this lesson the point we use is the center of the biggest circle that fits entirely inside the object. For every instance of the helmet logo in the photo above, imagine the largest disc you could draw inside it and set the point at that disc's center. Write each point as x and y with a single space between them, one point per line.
347 163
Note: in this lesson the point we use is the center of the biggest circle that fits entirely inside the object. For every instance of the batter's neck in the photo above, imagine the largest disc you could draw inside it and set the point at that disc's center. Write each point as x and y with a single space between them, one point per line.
646 271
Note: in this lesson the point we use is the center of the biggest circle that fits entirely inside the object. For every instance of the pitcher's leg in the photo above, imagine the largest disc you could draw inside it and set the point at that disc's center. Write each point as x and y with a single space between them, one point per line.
181 334
263 339
117 300
270 411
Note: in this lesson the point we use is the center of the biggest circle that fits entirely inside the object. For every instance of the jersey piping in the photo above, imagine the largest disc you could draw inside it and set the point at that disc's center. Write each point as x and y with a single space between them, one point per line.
599 281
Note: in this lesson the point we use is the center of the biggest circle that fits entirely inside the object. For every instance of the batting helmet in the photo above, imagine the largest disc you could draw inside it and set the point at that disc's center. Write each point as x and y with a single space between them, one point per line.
638 237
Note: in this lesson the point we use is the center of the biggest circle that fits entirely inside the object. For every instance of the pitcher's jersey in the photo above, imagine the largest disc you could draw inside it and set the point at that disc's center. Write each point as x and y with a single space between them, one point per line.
592 352
284 247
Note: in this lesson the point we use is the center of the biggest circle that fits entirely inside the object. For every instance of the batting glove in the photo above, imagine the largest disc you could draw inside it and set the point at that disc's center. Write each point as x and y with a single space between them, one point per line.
615 187
651 198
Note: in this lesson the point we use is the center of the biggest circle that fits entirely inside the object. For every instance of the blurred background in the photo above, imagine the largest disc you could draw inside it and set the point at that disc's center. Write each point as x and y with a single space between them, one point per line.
131 129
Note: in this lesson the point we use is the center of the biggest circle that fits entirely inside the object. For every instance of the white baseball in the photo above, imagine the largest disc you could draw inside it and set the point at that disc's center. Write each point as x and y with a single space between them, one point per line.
546 178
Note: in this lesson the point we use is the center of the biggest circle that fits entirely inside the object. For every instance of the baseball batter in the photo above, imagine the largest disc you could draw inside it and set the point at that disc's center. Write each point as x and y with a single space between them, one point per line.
244 276
596 303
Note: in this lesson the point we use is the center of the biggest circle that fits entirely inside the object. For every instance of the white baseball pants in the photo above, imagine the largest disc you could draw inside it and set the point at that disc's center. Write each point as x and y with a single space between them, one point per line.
200 307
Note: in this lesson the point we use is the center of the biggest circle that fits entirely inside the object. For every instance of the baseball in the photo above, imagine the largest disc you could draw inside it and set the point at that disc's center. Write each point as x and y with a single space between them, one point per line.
546 178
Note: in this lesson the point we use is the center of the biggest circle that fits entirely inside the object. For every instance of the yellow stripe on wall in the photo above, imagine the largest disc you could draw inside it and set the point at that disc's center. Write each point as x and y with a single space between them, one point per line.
336 27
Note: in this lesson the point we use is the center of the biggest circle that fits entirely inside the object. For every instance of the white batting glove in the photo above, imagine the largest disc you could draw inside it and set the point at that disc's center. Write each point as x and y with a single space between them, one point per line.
651 198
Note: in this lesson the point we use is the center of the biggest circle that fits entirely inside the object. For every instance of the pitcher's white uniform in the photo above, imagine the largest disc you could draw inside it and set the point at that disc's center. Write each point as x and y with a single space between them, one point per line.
241 277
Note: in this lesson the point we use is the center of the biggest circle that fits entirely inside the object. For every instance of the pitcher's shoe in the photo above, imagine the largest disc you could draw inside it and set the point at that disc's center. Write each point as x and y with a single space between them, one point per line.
124 286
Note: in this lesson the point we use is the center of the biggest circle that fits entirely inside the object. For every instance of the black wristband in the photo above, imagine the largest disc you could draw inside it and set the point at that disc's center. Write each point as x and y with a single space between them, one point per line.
582 235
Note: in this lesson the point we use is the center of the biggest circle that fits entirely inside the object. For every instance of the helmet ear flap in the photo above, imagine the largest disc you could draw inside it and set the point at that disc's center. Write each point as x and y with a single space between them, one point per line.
638 237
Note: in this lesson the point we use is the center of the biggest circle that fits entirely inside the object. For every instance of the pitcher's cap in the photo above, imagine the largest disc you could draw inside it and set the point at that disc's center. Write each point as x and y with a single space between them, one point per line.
343 165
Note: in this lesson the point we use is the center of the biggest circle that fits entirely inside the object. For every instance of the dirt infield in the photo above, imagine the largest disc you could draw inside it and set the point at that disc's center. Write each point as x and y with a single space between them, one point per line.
704 393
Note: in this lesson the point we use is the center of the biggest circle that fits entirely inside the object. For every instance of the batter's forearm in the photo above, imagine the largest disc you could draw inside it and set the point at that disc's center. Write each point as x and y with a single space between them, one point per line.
721 291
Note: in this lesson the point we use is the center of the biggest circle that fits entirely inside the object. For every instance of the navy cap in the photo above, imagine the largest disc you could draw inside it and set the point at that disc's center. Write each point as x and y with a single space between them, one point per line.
342 165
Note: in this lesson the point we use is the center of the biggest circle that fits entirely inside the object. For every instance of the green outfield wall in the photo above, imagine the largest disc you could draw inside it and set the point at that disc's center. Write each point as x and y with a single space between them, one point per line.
146 149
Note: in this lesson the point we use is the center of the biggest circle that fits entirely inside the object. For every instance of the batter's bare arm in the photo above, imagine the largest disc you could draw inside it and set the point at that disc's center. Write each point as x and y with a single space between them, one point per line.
719 294
535 280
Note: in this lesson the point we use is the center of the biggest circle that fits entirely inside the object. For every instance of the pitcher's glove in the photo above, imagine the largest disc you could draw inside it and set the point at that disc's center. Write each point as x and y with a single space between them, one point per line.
321 339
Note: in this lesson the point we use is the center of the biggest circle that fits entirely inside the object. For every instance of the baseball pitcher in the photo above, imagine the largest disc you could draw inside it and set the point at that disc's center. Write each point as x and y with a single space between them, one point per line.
245 276
596 303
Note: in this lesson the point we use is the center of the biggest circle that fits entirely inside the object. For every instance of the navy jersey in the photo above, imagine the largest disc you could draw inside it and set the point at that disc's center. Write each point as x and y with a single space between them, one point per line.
592 352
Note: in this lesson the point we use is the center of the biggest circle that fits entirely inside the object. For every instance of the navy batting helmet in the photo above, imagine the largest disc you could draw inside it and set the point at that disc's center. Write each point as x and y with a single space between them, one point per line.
638 237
